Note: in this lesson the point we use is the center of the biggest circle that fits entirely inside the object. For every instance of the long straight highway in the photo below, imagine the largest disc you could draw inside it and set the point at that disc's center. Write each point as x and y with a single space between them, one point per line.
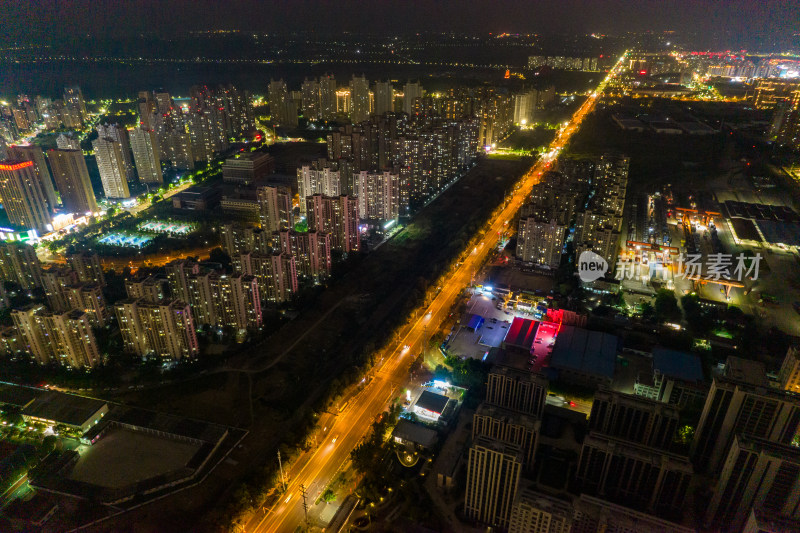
315 468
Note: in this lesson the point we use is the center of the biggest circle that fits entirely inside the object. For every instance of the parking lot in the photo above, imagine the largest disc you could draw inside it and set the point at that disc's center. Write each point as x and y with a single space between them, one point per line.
467 342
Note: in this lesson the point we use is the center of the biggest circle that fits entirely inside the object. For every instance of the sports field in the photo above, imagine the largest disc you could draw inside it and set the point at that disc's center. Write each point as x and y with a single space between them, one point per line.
123 456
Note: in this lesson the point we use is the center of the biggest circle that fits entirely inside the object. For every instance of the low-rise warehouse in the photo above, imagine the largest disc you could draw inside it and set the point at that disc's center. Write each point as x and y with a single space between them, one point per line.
583 356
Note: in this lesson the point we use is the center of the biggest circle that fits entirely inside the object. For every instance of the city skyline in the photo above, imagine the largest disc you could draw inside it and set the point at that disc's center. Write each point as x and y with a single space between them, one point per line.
400 267
735 18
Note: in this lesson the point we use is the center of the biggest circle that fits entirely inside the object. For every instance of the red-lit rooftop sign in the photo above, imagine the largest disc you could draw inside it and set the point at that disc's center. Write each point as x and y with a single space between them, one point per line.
16 166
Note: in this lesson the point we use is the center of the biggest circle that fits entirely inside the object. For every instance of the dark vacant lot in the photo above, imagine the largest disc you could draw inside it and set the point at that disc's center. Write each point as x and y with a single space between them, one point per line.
655 158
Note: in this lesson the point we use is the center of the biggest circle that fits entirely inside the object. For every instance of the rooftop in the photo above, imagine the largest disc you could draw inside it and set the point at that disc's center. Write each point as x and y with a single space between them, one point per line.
432 402
746 371
248 157
591 352
63 408
475 321
675 364
780 232
416 433
785 452
769 521
522 333
196 191
17 395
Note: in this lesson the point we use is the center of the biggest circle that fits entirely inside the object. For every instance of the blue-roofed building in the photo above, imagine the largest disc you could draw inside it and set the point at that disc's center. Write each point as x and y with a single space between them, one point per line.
584 357
475 322
677 378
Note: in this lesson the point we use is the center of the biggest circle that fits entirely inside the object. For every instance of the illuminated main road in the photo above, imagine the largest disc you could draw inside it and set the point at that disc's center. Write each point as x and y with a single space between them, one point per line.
315 469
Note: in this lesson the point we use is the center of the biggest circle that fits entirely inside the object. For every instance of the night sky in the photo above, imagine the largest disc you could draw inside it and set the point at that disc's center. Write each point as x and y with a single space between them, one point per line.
743 22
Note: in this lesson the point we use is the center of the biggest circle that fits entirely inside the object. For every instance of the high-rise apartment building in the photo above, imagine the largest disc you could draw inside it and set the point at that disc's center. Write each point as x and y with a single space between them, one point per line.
493 474
495 113
112 167
412 91
73 98
384 97
637 476
789 374
89 298
755 474
344 101
742 402
525 107
35 154
378 195
208 131
65 338
534 512
148 110
238 239
634 418
119 134
54 281
320 177
281 107
337 215
310 99
311 250
176 146
598 227
67 142
276 208
359 99
21 120
238 106
163 329
23 195
19 264
146 155
178 273
510 427
517 390
220 300
72 179
594 515
540 241
276 274
87 266
327 97
150 289
237 301
427 152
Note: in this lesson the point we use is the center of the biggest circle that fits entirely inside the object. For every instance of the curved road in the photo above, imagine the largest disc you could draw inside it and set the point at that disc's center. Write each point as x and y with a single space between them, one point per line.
315 469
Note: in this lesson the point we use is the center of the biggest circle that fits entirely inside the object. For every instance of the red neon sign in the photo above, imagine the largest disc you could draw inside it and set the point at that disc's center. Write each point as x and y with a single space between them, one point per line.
16 166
